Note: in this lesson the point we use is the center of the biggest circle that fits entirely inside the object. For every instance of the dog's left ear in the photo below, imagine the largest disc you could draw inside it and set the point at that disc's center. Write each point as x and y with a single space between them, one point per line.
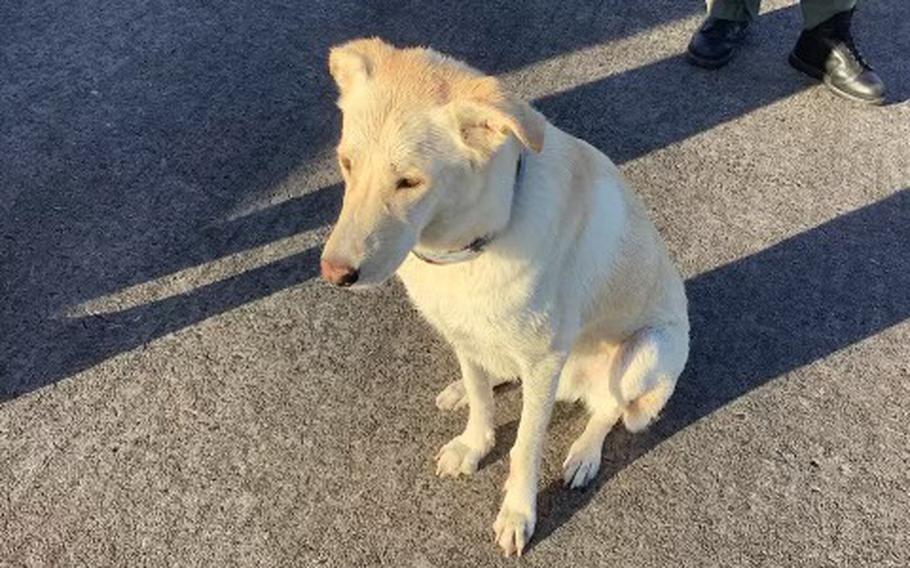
486 117
354 63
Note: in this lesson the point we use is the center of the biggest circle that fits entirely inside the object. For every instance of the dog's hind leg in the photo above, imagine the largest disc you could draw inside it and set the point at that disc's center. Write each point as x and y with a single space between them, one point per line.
455 396
638 381
653 361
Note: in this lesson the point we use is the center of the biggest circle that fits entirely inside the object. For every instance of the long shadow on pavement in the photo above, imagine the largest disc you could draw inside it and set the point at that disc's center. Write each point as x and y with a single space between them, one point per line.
165 225
759 317
43 348
66 345
142 123
140 127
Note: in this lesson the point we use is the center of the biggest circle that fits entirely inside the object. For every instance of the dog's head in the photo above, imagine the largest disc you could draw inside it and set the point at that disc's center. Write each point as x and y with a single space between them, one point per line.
419 133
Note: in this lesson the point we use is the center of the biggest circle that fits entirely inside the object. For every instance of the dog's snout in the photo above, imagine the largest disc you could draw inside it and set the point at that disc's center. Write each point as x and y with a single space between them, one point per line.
338 273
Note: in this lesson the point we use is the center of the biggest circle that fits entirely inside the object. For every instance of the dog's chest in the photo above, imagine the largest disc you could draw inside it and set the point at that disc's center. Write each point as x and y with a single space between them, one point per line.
497 323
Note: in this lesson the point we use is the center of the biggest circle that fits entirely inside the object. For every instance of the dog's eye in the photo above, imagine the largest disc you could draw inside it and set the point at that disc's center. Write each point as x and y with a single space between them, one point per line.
407 183
346 164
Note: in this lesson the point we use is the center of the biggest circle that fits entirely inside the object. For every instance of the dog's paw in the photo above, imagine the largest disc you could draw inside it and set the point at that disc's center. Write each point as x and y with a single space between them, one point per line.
513 529
581 464
452 397
459 457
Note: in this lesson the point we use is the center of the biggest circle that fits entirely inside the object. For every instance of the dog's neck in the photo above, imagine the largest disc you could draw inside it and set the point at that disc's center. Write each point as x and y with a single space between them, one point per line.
496 205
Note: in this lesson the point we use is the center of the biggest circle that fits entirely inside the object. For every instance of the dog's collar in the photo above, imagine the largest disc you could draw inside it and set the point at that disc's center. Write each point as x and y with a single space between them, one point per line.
451 257
477 246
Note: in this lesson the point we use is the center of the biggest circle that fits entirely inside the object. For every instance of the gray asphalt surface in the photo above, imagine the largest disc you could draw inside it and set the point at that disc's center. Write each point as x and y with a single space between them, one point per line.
178 389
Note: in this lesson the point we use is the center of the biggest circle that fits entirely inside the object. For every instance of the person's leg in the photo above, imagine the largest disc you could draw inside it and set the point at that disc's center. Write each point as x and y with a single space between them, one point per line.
826 51
817 11
715 42
736 10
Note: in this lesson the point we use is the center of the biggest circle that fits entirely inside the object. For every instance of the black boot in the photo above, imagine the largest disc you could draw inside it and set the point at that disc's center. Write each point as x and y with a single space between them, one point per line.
827 53
715 42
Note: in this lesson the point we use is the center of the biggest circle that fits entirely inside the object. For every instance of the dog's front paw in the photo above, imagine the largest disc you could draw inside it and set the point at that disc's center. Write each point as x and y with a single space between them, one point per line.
513 529
460 457
452 397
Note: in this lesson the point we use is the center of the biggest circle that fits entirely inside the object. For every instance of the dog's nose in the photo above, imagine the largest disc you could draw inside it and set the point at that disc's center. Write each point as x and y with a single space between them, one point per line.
337 273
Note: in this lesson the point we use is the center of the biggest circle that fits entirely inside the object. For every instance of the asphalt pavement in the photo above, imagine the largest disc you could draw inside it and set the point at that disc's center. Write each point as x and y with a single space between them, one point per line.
178 388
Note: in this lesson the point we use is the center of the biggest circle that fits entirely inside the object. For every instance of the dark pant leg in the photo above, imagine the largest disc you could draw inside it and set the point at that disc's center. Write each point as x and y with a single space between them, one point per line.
817 11
739 10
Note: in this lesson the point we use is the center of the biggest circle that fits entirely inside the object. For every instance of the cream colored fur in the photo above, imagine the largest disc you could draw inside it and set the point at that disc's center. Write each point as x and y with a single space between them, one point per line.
575 294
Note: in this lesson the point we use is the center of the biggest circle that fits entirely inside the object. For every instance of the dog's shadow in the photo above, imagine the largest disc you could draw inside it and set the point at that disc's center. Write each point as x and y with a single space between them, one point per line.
756 319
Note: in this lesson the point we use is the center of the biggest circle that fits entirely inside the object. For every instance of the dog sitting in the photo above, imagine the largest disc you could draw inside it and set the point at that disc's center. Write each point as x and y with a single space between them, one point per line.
519 243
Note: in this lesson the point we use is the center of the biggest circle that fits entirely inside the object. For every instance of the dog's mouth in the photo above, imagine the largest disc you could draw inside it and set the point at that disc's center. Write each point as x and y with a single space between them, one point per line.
371 276
366 283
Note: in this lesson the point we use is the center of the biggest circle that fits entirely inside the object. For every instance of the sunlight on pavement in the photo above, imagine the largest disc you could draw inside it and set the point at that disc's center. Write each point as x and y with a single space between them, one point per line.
189 279
573 69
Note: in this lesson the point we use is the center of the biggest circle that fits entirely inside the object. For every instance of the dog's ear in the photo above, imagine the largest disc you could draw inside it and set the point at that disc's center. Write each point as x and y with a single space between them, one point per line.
486 116
353 63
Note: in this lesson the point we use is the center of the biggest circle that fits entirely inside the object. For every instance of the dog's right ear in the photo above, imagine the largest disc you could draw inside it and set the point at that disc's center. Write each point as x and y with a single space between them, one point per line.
486 115
353 63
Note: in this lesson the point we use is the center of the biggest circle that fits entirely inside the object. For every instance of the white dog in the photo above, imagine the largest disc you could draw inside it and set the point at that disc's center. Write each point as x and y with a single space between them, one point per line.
521 244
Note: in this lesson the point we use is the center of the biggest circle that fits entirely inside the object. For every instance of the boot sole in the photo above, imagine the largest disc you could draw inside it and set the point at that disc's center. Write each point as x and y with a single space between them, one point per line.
820 75
708 63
